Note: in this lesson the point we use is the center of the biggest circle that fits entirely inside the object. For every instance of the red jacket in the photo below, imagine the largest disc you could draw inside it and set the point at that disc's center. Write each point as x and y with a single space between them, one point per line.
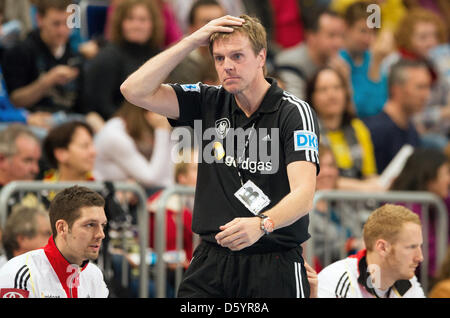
171 228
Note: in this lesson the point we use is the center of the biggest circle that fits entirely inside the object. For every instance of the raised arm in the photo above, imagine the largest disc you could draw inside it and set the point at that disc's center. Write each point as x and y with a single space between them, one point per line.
144 87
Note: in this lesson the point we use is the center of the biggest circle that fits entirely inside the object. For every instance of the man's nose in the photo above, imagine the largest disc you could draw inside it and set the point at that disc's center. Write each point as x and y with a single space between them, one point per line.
93 151
101 233
35 168
419 256
228 64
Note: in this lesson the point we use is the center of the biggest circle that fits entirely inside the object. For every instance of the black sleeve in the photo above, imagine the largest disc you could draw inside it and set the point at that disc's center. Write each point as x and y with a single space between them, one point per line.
191 98
300 133
18 68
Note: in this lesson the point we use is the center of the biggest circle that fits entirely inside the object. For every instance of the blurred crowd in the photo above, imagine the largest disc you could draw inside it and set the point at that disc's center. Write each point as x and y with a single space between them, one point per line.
378 80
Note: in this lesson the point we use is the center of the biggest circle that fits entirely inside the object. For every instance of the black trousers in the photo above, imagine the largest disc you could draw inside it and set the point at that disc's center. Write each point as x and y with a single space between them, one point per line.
218 272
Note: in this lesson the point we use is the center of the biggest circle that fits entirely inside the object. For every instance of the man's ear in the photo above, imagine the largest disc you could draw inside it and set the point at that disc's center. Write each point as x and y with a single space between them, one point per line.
382 247
20 239
39 19
61 227
310 36
262 55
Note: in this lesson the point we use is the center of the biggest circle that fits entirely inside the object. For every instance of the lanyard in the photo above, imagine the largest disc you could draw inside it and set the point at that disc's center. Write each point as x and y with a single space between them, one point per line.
239 160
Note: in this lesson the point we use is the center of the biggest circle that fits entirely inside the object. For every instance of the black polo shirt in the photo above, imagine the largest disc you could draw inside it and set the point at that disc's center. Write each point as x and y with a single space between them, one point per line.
29 59
282 124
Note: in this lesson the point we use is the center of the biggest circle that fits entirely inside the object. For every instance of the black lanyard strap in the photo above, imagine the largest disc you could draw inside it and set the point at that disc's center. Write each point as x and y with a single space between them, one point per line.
240 160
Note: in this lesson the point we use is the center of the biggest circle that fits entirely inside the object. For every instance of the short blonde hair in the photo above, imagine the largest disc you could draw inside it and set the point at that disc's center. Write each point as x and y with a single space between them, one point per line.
252 28
386 223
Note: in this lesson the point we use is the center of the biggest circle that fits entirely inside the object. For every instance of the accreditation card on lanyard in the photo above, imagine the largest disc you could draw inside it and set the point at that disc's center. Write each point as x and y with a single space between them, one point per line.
249 194
252 197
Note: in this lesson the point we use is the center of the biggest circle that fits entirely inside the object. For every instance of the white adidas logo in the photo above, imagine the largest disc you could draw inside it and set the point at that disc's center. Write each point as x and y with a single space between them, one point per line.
267 138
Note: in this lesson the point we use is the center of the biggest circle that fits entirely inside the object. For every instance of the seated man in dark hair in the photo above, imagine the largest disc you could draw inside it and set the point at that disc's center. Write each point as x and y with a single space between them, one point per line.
62 269
409 86
325 37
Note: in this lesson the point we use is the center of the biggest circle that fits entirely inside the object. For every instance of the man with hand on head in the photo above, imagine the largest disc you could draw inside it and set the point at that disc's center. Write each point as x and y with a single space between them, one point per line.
386 269
62 269
251 230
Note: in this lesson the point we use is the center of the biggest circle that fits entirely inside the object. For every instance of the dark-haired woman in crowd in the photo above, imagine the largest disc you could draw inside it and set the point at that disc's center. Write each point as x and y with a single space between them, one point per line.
136 35
346 135
70 152
427 169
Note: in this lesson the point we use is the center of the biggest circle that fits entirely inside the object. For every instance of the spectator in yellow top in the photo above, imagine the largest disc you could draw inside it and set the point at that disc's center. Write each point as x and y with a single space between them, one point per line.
346 135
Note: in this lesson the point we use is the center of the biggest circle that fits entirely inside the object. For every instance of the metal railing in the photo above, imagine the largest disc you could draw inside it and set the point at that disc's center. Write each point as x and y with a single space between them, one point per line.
160 237
425 199
142 214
